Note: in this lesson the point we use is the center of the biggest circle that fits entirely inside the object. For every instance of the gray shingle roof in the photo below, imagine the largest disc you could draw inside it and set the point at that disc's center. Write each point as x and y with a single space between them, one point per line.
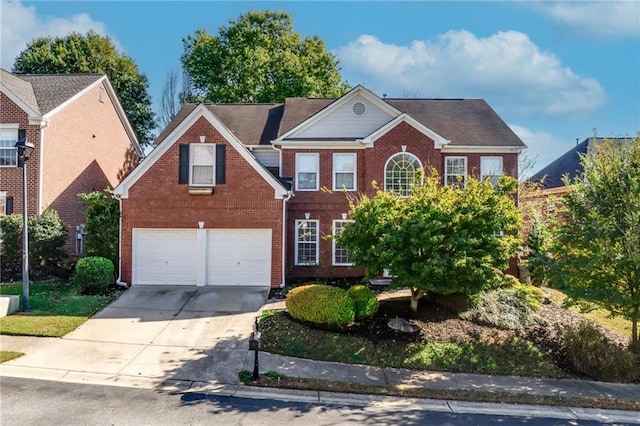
465 122
45 92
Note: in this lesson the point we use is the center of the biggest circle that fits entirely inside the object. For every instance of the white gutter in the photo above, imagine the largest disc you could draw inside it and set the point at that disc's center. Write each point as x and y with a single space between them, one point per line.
118 280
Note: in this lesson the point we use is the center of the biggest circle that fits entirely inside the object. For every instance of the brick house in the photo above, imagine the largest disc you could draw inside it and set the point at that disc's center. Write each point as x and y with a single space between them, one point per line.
83 142
247 194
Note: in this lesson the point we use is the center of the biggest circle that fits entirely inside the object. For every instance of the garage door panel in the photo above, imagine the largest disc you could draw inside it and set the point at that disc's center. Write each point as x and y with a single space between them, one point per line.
164 256
239 257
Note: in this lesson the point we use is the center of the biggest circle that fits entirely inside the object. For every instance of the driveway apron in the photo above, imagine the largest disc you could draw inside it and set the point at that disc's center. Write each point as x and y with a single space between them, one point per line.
165 333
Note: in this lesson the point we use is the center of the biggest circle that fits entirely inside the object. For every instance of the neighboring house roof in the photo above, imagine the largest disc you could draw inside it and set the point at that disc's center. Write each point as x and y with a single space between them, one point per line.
568 164
42 95
463 122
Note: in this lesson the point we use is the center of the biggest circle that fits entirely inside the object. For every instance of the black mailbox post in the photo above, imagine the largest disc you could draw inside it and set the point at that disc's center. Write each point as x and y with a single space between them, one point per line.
254 345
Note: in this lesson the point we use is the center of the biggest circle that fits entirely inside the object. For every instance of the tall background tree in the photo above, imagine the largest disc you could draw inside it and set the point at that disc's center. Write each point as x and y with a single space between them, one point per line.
596 249
260 58
94 53
175 92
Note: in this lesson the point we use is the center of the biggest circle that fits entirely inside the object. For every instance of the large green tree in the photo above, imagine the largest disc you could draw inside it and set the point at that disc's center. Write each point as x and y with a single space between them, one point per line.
94 53
596 249
440 239
259 58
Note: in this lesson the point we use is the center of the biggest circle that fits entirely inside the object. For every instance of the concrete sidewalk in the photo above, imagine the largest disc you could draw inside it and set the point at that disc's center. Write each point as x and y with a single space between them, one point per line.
197 351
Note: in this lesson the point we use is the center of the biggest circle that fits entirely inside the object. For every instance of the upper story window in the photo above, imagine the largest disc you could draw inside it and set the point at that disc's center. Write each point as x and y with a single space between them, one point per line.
402 171
491 168
202 160
307 172
455 171
8 152
344 172
306 242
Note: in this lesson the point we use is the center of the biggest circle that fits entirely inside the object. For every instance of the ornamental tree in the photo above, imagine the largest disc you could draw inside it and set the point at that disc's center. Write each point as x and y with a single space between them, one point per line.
440 239
596 250
259 58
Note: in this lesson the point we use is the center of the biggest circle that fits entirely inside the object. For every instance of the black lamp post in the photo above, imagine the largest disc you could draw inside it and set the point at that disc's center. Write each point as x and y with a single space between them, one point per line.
24 149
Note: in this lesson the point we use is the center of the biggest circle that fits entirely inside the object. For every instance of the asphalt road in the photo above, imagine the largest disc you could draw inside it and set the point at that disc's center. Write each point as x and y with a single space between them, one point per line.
35 402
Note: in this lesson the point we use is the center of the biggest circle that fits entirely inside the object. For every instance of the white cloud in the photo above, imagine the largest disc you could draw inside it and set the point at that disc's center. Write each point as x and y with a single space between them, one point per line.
506 68
19 24
542 147
599 18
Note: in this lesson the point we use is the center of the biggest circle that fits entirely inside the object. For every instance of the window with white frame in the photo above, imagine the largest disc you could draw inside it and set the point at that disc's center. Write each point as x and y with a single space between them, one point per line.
402 171
306 242
491 168
344 172
455 171
3 203
340 256
202 170
8 152
307 172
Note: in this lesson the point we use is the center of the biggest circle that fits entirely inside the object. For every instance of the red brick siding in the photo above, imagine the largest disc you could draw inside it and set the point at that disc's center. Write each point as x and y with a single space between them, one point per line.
246 200
86 148
11 177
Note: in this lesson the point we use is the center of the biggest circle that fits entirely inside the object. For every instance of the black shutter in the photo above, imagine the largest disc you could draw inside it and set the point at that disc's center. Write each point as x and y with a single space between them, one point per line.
220 163
183 167
22 136
8 205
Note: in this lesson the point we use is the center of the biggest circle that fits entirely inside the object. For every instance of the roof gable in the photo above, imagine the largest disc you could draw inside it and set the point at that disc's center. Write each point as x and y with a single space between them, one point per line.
20 92
351 117
438 140
186 118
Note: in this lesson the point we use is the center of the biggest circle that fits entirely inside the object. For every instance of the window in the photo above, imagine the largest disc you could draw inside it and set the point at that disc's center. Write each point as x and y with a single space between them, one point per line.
307 172
8 153
491 167
344 172
402 171
306 242
201 172
3 203
455 171
340 257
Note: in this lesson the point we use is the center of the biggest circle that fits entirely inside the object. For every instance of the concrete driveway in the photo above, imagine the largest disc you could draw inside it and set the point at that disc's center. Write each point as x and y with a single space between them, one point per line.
164 334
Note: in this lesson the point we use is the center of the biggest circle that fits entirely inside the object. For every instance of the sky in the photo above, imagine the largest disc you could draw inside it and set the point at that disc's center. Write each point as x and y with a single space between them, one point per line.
555 71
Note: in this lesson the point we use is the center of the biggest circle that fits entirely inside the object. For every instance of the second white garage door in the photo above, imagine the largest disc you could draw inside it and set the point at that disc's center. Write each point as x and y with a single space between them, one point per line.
233 257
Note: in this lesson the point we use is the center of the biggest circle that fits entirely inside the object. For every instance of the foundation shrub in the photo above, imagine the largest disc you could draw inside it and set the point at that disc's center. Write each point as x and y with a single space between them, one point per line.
93 275
365 301
320 304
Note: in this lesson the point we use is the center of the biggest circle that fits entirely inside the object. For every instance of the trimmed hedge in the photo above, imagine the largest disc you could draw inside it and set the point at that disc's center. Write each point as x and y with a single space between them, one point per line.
365 301
321 304
93 275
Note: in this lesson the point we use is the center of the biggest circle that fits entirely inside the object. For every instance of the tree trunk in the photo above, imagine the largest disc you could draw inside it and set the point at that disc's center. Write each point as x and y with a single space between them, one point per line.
635 344
416 295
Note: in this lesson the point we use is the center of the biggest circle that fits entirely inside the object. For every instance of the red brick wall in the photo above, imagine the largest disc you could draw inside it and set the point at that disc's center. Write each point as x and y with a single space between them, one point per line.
11 177
326 206
246 200
86 149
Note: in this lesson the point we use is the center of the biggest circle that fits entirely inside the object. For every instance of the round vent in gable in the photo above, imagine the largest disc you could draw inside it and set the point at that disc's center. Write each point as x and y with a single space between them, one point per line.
359 109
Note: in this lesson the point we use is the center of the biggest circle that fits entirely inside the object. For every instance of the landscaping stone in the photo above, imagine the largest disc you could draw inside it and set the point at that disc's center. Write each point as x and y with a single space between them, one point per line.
402 325
9 304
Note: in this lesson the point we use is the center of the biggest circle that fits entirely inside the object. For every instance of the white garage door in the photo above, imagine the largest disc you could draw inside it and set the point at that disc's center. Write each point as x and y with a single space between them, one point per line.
164 256
229 257
239 257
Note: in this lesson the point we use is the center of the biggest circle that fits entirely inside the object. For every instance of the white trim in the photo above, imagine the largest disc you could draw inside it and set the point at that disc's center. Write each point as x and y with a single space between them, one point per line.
359 90
466 168
319 144
438 141
201 111
316 242
41 170
3 197
33 114
466 149
386 164
333 242
13 128
354 173
191 164
317 171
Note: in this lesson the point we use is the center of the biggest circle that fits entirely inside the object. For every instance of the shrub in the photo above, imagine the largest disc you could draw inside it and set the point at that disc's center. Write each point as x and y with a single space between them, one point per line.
500 308
592 354
531 295
93 275
365 301
102 224
11 251
457 302
321 304
508 280
47 235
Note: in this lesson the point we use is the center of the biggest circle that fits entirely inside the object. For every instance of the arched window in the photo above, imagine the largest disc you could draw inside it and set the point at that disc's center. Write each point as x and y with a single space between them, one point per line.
402 171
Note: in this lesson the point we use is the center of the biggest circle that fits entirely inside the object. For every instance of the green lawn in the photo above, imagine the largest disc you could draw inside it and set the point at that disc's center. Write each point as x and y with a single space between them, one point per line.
9 355
56 308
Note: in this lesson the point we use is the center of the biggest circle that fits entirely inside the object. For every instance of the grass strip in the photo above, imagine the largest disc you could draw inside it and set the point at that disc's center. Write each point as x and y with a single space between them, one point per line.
9 355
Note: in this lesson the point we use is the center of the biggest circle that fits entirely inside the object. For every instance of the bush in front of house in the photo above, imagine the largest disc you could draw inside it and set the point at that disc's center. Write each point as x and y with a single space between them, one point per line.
591 353
93 275
533 296
320 304
365 301
457 302
503 308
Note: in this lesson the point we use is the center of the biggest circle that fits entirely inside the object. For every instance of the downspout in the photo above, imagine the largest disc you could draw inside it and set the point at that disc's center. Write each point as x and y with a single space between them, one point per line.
285 199
119 281
41 167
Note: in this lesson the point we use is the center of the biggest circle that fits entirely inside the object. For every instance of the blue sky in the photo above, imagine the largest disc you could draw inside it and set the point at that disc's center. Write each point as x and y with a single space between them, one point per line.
553 71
